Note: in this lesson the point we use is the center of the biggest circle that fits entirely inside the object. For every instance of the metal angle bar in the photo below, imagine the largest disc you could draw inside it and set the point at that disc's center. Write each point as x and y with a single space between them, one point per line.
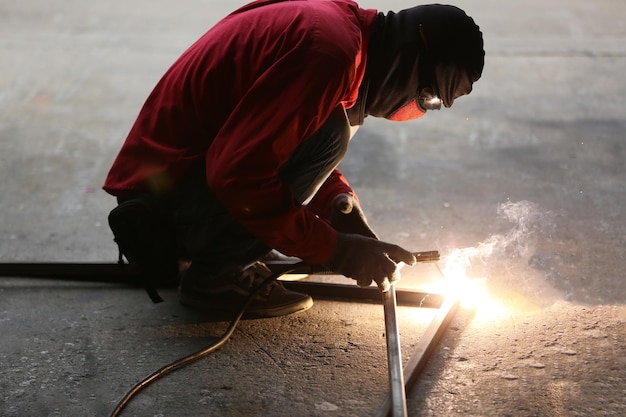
68 271
126 274
394 355
425 347
404 297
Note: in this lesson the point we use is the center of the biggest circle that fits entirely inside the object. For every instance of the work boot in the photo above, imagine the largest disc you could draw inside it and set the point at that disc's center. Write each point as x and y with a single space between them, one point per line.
229 291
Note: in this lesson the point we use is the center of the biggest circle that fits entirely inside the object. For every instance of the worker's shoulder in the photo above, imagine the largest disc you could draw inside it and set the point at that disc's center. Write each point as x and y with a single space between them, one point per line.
334 16
331 28
337 28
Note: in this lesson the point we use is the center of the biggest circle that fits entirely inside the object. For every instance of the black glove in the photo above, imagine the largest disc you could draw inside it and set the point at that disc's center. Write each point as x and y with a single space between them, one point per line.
366 259
347 217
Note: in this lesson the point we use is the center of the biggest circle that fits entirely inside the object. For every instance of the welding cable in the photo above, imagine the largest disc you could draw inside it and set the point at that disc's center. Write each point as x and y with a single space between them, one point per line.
206 351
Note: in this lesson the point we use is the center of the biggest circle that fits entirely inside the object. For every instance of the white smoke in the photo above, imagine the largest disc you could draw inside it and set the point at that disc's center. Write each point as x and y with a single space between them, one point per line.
529 222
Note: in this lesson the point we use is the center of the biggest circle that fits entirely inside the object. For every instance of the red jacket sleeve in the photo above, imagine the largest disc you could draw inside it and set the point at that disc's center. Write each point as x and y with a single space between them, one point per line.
258 138
334 185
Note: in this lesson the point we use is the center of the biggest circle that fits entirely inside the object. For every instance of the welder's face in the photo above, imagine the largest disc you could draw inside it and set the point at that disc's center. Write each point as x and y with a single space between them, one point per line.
427 99
452 82
448 82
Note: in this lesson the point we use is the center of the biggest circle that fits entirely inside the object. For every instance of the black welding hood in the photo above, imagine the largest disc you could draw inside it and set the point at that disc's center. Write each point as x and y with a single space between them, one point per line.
434 48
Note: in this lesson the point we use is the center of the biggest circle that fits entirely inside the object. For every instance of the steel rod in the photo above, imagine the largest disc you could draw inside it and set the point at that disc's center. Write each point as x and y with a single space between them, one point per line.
126 274
430 339
394 354
425 347
68 271
404 297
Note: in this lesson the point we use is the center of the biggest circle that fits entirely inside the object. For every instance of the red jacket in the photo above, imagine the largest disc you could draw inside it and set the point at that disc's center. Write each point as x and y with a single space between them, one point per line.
243 97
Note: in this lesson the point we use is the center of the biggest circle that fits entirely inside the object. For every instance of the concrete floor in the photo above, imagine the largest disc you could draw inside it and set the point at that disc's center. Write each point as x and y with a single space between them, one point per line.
531 164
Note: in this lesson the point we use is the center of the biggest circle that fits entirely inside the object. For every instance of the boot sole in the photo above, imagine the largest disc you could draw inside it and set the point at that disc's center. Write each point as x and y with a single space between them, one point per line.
200 303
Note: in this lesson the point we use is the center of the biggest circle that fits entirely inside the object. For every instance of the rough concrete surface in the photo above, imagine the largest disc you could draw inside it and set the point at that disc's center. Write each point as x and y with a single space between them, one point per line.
528 173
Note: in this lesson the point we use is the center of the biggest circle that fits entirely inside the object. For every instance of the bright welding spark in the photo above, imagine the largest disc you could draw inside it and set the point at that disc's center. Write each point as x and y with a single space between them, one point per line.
461 265
472 292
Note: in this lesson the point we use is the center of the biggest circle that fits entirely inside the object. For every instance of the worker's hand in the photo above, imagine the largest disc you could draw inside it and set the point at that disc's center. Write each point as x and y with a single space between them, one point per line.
366 259
347 217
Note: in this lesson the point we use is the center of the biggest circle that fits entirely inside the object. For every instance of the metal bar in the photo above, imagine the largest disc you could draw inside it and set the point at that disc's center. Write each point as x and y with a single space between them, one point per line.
425 347
405 297
394 354
429 340
67 271
127 274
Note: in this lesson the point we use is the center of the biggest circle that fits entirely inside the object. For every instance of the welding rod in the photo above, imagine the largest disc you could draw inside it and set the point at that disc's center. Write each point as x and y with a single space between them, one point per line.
394 355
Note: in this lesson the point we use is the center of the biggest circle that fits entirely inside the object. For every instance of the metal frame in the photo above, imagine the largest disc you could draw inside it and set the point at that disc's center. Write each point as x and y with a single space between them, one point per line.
447 307
126 274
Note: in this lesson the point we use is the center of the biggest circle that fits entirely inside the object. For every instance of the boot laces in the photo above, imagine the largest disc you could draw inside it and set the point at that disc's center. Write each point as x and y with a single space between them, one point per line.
253 275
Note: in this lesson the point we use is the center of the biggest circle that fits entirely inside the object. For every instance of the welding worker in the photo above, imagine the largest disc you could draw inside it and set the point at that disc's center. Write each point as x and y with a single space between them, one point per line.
234 154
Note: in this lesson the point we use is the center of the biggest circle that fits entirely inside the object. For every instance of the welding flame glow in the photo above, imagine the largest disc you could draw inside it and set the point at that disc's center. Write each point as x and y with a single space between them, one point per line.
483 277
472 292
515 244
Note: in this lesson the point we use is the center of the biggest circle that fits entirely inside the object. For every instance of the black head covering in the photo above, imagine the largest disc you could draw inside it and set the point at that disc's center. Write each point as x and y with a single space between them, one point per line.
430 46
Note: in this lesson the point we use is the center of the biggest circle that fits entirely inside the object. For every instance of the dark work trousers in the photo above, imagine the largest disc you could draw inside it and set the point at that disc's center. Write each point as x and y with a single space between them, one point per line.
213 240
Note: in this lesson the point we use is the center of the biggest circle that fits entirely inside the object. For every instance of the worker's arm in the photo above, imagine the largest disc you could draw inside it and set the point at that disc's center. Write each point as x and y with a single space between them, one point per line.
340 206
283 108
